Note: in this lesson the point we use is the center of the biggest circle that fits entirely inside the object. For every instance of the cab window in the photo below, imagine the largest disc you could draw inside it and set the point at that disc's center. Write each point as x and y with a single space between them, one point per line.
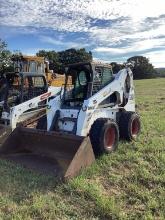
38 82
40 68
102 76
106 76
32 66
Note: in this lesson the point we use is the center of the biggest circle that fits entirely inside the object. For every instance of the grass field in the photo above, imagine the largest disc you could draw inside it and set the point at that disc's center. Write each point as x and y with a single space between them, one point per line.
128 184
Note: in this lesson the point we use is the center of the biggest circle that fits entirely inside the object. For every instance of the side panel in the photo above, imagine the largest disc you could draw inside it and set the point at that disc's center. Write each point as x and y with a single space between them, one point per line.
20 109
53 106
86 119
91 109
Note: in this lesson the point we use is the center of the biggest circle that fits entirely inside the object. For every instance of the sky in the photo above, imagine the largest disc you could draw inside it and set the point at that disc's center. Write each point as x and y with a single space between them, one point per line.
114 30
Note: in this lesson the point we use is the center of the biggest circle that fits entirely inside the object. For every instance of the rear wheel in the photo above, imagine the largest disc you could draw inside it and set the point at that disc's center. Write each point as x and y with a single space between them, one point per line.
42 123
129 125
104 136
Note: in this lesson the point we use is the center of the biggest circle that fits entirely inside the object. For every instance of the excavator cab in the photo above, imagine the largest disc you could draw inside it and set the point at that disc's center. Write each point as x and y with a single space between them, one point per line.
22 87
29 64
37 65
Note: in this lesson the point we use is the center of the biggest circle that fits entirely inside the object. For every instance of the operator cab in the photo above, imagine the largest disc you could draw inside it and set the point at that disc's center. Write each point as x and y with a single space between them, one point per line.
84 80
21 87
76 88
29 64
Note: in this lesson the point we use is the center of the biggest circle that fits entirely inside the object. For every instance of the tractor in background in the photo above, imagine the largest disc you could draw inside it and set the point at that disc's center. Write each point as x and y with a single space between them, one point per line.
37 65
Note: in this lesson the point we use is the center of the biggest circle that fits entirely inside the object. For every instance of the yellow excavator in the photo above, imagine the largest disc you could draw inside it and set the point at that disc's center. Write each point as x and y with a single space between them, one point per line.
35 64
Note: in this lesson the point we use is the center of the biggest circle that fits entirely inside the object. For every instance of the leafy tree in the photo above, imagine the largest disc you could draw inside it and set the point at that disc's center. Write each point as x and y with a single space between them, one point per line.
5 57
74 56
52 57
142 68
57 60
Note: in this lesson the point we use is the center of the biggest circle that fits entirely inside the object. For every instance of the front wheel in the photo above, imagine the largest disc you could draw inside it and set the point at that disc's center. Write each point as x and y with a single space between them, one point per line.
104 136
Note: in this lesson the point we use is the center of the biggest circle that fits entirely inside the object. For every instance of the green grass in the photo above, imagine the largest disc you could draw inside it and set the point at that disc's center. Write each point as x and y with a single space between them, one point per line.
128 184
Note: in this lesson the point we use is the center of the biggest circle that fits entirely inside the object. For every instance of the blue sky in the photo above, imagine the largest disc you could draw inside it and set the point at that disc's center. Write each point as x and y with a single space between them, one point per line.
113 30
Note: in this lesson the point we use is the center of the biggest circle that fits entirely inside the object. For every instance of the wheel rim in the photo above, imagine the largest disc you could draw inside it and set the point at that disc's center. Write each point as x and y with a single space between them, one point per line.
135 127
110 137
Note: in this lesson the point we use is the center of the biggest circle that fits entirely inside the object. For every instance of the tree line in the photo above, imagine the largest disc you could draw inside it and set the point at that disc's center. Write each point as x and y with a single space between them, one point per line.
57 60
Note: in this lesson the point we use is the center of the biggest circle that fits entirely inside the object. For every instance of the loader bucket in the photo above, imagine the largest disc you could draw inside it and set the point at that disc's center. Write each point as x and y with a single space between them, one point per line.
48 152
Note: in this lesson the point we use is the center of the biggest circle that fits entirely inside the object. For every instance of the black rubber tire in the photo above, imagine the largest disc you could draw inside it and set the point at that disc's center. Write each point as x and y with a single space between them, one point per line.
42 123
126 124
97 136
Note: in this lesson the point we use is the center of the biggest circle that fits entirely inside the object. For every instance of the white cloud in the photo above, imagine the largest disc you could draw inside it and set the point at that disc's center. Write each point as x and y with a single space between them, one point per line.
73 15
157 58
128 30
135 47
67 44
125 25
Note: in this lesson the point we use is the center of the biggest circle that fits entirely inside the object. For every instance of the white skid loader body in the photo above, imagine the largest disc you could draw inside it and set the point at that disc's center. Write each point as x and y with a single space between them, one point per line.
79 121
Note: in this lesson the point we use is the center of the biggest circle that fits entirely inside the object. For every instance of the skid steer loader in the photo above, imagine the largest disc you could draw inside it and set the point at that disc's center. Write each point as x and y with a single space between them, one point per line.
23 99
84 121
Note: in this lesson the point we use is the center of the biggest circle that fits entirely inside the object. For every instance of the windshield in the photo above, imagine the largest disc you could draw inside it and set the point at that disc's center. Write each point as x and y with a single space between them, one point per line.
77 84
